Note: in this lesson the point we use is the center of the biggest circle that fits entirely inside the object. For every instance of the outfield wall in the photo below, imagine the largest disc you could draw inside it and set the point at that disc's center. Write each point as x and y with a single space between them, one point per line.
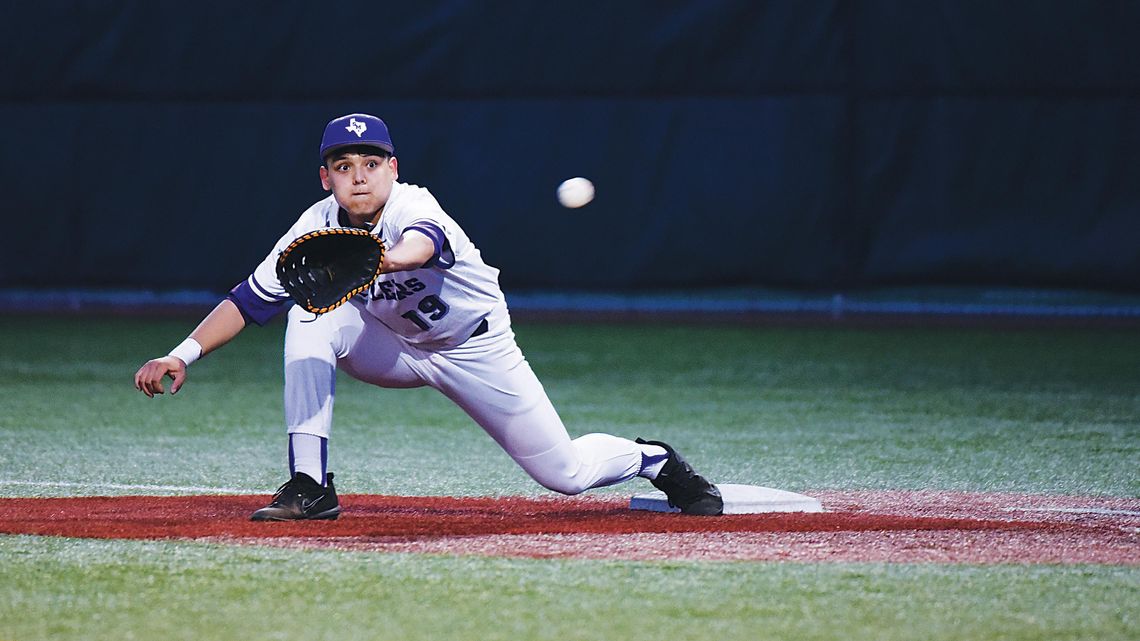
811 145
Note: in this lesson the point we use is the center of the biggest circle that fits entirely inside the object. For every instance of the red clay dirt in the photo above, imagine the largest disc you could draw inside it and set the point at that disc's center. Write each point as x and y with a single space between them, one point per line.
943 527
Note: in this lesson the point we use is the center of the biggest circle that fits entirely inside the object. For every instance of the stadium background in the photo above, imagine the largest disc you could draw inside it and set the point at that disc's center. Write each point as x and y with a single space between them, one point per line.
816 147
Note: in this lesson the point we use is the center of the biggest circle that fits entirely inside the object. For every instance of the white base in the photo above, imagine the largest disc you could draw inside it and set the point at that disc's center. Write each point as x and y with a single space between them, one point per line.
738 499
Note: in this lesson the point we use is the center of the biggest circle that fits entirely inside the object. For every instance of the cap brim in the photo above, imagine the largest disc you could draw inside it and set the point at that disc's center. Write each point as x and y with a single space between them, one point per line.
332 148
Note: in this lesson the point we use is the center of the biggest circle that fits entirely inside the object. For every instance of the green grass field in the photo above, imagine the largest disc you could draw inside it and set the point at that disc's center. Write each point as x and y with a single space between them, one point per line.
1042 411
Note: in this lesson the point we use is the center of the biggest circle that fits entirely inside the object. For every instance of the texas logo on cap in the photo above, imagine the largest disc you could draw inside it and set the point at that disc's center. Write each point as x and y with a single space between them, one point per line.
355 129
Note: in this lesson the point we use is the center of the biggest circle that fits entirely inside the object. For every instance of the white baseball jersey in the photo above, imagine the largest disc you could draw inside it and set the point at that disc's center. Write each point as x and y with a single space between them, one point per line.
437 305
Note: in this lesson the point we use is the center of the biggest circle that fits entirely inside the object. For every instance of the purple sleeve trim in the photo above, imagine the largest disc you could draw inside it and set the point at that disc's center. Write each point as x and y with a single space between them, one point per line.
254 308
260 290
433 232
438 238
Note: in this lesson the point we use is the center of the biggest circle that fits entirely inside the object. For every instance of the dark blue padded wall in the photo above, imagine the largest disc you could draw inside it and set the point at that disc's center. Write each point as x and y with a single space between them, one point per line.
997 143
813 145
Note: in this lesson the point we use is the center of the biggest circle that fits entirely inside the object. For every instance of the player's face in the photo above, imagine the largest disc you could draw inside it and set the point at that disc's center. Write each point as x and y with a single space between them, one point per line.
360 182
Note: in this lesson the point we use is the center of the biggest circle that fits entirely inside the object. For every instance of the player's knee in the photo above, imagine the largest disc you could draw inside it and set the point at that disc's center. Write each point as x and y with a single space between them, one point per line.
563 484
560 469
564 479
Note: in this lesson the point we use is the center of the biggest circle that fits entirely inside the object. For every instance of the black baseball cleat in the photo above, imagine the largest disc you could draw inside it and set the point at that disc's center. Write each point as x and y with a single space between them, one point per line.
301 498
685 488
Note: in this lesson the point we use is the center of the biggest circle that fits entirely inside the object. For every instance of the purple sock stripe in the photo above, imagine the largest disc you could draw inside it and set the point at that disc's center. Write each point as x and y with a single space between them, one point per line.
648 461
324 461
292 462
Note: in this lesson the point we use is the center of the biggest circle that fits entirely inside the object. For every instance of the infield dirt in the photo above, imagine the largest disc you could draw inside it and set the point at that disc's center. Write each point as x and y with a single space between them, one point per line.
941 527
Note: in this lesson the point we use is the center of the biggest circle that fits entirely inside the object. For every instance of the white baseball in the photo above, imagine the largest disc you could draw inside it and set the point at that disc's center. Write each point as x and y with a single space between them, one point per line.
575 192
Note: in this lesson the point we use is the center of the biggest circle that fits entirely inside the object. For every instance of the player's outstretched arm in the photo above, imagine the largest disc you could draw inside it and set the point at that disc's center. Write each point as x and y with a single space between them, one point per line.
410 252
218 328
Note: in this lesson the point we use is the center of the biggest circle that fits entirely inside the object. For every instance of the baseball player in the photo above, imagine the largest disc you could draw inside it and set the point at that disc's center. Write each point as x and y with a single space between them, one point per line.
436 316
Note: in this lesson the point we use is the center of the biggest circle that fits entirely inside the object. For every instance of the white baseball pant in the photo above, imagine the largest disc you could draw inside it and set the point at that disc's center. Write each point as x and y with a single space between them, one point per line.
487 376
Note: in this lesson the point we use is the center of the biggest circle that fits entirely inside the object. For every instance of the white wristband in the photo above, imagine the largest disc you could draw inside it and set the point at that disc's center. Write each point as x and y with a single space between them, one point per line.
188 350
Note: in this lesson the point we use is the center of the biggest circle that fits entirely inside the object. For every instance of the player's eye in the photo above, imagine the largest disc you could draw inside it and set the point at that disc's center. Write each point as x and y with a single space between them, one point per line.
372 164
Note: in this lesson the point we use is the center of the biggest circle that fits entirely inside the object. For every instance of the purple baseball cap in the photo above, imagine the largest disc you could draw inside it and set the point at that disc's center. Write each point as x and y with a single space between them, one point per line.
355 129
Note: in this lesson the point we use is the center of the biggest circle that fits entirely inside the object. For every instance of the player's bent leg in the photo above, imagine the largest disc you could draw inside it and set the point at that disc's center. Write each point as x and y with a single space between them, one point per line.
608 459
593 460
498 389
602 459
495 385
512 407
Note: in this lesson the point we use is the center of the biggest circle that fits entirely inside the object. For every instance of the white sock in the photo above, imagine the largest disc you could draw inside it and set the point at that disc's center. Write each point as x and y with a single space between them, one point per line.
653 458
308 453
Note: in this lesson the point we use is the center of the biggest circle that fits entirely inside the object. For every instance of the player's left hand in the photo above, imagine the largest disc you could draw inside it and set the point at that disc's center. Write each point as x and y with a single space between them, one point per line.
148 379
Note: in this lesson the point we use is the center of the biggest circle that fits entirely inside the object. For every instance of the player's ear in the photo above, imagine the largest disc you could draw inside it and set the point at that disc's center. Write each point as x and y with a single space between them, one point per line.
395 167
325 178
